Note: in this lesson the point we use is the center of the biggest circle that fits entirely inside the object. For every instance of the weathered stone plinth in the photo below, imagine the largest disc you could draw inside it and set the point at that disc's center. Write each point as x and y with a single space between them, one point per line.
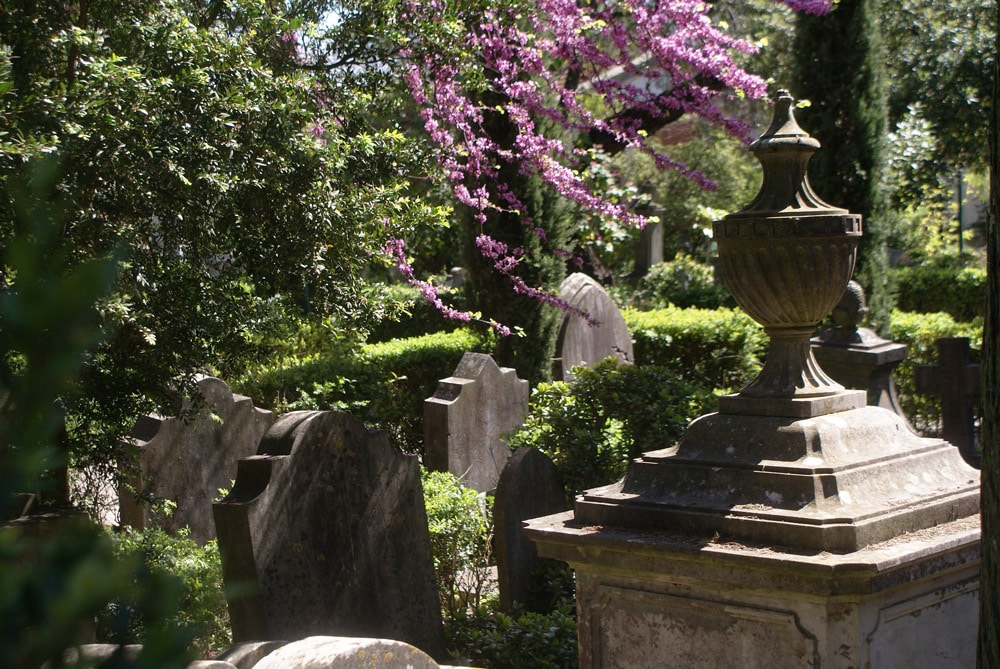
860 359
656 599
842 540
837 482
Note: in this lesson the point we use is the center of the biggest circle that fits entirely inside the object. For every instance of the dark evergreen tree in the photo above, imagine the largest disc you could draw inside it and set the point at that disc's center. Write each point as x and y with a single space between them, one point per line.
839 68
536 326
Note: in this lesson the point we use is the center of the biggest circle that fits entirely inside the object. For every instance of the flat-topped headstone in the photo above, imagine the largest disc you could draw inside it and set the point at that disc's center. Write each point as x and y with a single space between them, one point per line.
187 462
466 418
325 533
580 342
529 488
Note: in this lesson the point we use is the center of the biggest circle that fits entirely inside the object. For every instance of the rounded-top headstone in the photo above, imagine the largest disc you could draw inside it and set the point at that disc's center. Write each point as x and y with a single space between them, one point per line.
329 652
580 342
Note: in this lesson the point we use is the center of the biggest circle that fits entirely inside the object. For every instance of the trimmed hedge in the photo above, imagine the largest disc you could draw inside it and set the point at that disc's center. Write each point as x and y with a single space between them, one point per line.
681 282
920 333
720 349
415 315
383 384
610 414
958 291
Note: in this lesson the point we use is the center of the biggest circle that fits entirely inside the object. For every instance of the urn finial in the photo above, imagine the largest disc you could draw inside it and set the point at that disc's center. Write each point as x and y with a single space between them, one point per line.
786 258
784 151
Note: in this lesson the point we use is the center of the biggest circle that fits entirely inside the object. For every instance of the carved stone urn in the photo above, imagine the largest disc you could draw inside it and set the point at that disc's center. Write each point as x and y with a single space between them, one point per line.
786 258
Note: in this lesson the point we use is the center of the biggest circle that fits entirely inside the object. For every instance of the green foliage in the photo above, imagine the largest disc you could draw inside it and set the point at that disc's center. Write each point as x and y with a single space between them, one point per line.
719 349
461 528
920 332
414 315
383 384
942 57
56 572
682 282
849 116
242 186
201 604
956 290
683 207
609 415
496 640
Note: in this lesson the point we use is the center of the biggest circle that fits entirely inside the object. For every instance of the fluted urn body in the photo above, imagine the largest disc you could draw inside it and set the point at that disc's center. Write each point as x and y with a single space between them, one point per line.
787 258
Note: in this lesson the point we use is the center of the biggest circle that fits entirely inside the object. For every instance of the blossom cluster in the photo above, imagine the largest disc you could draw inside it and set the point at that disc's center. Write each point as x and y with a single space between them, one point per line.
551 63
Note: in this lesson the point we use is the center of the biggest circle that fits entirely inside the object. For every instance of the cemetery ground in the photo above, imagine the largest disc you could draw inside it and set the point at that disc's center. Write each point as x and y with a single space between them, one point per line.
590 428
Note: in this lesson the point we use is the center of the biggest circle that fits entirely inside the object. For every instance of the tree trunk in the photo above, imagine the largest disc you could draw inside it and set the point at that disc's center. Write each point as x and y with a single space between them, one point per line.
989 585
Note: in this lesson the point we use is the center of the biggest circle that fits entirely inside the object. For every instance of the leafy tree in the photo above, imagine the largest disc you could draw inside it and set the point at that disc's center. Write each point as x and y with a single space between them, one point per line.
519 96
941 64
840 69
241 185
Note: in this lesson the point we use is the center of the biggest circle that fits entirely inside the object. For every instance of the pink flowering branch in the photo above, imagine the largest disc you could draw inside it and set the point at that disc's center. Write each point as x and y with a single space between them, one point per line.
646 63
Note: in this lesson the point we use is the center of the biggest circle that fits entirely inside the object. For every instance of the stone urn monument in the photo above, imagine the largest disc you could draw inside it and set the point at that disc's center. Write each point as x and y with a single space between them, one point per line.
796 526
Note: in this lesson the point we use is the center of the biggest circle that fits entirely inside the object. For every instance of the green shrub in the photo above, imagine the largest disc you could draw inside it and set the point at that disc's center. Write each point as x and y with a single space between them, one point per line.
719 349
461 531
496 640
415 316
609 415
383 384
958 291
681 282
920 333
201 603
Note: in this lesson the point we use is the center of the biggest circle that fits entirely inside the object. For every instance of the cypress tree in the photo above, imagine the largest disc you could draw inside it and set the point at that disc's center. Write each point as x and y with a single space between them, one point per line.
838 66
531 349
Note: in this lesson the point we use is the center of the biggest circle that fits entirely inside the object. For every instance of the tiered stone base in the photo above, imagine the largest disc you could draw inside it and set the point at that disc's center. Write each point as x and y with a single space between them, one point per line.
837 482
647 599
837 541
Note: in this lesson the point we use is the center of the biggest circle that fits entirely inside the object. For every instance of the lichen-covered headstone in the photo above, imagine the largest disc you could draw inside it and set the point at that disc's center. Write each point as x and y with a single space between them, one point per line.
325 533
529 488
586 344
187 462
466 418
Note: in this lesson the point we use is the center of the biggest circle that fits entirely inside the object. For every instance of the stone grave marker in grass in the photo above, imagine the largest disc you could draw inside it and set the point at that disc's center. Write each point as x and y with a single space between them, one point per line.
581 343
187 462
325 533
465 420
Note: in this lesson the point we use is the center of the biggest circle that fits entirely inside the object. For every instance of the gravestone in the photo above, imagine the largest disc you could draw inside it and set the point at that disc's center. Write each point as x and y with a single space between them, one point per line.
649 248
955 379
325 533
188 461
529 488
581 343
328 652
467 416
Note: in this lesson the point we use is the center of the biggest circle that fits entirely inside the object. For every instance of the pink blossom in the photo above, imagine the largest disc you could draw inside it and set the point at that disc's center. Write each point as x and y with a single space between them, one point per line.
614 50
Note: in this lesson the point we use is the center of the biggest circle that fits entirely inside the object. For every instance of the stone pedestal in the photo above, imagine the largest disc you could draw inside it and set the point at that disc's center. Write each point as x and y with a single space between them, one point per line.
835 541
860 359
656 599
797 527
